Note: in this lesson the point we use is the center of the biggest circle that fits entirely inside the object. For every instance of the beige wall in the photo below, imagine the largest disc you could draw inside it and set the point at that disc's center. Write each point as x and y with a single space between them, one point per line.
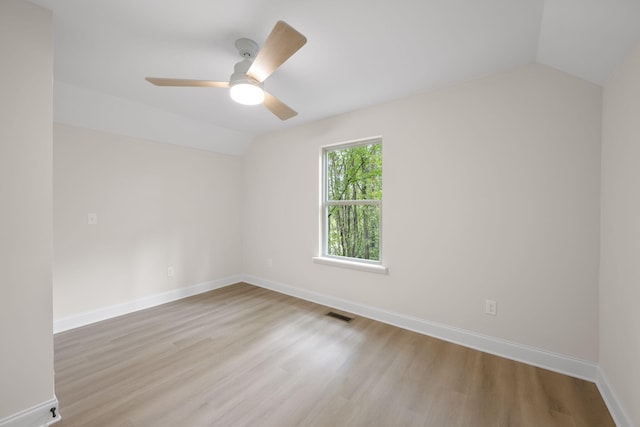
620 240
158 205
491 190
26 344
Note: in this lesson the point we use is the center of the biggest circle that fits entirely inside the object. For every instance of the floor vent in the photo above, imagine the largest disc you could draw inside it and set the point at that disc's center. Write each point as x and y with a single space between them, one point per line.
339 316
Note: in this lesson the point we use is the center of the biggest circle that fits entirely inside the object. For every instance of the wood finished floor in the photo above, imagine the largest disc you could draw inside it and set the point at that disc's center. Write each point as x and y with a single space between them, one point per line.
246 356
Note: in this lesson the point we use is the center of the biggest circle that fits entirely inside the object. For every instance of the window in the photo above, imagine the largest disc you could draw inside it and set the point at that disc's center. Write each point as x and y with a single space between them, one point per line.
352 201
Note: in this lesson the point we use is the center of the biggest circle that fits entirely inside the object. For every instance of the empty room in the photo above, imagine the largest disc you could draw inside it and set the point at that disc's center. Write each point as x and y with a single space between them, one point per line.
320 213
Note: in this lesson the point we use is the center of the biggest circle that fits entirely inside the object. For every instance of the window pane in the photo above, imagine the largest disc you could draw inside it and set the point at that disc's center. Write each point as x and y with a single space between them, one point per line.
355 173
354 231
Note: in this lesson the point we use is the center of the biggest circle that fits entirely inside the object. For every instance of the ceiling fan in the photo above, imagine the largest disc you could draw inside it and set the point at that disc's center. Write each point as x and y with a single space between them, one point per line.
246 83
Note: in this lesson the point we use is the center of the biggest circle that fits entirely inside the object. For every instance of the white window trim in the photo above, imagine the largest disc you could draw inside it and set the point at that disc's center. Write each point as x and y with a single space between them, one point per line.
352 263
338 261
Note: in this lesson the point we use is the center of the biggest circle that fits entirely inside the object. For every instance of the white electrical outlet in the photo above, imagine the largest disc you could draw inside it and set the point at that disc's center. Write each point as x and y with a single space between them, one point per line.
170 271
490 307
92 218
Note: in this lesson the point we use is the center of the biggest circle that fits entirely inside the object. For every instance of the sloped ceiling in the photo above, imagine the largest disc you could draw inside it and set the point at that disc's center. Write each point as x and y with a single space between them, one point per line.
359 52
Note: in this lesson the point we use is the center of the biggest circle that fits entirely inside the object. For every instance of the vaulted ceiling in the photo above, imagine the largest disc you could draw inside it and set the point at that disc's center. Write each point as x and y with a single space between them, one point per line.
359 52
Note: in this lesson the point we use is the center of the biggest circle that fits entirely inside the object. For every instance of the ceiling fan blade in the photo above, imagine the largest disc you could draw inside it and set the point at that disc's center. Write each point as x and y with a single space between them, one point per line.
278 107
185 82
283 42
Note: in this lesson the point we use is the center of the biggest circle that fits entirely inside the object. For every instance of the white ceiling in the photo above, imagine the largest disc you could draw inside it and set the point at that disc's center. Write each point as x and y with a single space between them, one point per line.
359 52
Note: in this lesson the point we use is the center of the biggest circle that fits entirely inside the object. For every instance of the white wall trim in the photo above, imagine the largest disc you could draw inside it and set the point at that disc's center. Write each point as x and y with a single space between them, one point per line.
354 265
104 313
519 352
618 413
39 415
522 353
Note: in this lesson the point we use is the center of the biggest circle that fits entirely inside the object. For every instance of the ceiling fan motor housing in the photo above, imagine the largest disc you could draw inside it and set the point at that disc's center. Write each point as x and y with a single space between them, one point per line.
245 89
240 74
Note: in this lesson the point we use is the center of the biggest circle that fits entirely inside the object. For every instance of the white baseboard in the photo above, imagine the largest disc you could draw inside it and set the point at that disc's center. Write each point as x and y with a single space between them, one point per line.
82 319
37 416
609 396
522 353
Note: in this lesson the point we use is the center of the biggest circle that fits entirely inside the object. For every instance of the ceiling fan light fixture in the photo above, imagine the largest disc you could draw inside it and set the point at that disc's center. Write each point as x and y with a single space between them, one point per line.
247 93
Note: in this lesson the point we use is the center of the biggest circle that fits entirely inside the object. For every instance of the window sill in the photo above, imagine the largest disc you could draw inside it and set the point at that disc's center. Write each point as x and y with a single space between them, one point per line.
354 265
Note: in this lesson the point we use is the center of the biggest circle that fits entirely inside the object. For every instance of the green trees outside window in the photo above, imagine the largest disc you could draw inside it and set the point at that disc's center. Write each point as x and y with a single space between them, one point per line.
353 196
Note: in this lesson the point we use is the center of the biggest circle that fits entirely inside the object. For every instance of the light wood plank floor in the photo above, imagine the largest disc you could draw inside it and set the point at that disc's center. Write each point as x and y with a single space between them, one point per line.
243 355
